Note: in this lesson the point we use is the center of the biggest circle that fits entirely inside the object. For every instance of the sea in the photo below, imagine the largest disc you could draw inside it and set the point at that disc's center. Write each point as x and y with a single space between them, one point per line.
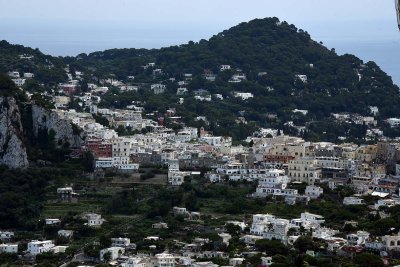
385 53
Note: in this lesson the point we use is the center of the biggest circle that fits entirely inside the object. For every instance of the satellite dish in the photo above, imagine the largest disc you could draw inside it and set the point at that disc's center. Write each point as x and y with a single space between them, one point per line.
398 12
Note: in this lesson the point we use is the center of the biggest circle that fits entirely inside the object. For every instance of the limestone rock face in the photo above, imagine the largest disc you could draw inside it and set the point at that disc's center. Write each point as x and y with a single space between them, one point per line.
44 119
12 148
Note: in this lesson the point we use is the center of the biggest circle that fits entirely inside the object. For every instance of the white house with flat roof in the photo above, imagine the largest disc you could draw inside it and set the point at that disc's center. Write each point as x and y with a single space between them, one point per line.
94 219
313 191
353 201
225 67
52 221
120 242
114 252
163 260
37 247
8 248
243 96
6 235
65 233
357 239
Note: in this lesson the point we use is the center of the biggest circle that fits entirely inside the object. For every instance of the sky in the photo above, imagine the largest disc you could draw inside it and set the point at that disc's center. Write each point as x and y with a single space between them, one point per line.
366 28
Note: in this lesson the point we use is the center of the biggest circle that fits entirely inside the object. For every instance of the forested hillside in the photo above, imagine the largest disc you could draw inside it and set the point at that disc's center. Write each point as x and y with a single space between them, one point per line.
47 69
271 55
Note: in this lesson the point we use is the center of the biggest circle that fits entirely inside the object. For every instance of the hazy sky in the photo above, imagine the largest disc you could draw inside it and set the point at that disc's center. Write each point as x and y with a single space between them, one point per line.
204 11
366 28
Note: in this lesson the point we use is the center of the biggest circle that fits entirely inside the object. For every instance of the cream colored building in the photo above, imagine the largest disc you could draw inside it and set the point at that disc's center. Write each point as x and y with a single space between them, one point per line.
349 151
366 153
291 149
121 147
304 169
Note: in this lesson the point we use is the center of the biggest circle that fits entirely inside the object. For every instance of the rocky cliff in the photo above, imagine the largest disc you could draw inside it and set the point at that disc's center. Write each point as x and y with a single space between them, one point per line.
12 148
65 132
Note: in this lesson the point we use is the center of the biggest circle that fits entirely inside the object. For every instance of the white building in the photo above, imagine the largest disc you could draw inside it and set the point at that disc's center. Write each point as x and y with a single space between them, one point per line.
179 211
237 78
358 238
6 235
176 177
313 191
65 191
391 242
104 163
61 101
324 233
65 233
243 96
225 67
159 225
13 74
8 248
52 221
120 242
203 97
135 262
158 88
235 261
251 239
215 177
181 91
217 141
386 203
266 261
123 164
302 111
128 88
121 147
302 78
182 136
114 252
94 219
19 81
393 122
37 247
163 260
309 220
335 163
353 201
242 225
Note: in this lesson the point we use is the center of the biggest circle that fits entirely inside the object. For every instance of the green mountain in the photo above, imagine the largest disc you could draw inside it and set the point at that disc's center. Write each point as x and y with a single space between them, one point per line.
271 54
47 69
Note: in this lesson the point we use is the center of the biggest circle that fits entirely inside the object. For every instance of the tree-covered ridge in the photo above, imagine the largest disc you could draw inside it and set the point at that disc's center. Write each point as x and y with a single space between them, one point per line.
47 69
335 83
271 55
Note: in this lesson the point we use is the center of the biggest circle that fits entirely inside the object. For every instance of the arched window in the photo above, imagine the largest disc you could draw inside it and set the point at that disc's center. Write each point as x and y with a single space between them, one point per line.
392 243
